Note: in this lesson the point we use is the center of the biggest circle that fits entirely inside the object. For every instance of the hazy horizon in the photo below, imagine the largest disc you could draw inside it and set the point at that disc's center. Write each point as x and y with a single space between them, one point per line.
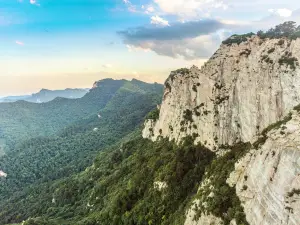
74 87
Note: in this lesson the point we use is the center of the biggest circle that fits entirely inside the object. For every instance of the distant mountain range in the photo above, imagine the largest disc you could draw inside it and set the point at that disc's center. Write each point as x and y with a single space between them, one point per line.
46 95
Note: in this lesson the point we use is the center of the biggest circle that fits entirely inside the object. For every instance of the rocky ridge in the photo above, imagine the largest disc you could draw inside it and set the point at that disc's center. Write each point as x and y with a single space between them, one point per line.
246 92
240 91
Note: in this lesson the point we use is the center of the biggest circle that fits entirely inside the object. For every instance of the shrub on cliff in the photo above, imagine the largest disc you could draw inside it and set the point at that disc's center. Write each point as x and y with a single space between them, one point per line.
287 29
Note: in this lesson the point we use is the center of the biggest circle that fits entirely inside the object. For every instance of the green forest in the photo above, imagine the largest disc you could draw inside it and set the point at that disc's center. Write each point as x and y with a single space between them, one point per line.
47 142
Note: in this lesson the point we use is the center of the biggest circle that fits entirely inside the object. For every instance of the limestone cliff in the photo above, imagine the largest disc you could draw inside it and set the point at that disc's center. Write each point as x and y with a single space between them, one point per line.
230 104
241 90
267 180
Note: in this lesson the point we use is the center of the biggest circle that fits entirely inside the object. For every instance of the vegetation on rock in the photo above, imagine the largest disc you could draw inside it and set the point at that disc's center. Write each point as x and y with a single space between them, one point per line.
288 30
119 187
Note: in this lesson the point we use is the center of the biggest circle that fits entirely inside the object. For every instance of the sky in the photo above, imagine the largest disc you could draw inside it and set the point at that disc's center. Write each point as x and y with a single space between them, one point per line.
57 44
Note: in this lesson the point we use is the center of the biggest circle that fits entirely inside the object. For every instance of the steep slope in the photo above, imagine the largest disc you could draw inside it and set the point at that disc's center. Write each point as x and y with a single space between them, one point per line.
264 177
267 179
239 104
240 91
23 120
72 150
125 185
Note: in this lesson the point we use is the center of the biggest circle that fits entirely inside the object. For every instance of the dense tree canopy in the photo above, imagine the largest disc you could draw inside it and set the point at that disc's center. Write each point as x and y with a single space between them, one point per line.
46 158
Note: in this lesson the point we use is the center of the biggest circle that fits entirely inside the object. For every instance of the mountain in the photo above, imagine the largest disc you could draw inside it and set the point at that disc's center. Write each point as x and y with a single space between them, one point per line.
13 98
242 101
222 148
40 160
22 120
45 95
240 91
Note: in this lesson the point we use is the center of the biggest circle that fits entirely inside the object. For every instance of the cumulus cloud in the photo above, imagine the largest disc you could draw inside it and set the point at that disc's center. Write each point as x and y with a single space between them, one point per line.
159 21
281 12
189 49
190 40
275 19
197 35
173 32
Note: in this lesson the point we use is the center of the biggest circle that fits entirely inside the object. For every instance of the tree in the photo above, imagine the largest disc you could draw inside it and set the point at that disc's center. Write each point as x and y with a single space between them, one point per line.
285 29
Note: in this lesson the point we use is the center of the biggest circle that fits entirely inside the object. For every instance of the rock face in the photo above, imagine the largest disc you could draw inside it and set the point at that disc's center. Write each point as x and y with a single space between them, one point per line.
268 179
241 90
238 93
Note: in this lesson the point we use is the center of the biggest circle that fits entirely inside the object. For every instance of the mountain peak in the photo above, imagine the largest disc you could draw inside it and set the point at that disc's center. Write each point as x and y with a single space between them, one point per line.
250 82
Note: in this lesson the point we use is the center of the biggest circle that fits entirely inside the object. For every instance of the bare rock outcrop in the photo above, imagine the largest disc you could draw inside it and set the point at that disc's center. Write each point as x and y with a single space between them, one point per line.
241 90
267 179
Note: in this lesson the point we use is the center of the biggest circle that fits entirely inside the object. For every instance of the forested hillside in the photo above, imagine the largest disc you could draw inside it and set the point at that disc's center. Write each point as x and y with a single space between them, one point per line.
125 185
23 120
45 159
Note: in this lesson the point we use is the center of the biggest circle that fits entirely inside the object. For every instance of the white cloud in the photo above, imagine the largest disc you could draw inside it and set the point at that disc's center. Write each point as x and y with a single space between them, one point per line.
190 40
149 9
184 40
189 49
159 21
281 12
133 48
34 2
190 8
19 43
130 6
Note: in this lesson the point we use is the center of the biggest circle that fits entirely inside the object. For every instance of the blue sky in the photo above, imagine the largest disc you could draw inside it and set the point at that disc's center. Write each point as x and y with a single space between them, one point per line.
71 43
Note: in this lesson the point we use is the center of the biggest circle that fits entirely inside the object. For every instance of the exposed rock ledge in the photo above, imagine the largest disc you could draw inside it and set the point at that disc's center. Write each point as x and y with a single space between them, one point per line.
241 90
270 176
267 180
